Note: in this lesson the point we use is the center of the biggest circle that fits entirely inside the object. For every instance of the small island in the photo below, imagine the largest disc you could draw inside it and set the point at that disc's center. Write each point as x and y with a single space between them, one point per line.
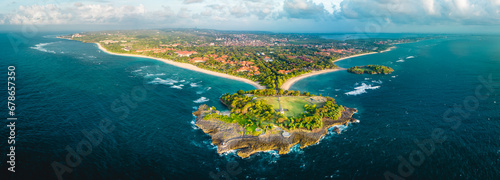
370 69
266 119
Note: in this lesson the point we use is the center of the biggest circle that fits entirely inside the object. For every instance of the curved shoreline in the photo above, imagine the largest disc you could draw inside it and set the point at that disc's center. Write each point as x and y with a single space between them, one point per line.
188 66
293 80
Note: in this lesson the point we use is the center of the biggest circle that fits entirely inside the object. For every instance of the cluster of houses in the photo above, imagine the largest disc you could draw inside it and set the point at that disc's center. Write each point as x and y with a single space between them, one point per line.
246 66
77 35
285 71
185 53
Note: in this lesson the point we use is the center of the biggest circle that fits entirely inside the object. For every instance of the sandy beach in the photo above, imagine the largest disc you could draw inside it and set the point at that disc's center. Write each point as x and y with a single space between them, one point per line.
188 66
293 80
364 54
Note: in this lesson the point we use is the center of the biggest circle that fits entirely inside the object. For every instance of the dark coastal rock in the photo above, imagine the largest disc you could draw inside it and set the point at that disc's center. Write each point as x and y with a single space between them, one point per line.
337 130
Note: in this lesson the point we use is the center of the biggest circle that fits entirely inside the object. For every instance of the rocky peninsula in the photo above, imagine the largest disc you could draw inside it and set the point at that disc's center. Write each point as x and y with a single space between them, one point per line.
233 136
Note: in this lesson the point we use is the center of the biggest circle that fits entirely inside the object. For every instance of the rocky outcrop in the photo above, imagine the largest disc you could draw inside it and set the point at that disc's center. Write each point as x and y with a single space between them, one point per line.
230 136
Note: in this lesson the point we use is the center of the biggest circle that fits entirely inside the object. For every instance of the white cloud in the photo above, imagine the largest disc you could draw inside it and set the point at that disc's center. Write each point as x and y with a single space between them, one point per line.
304 9
257 13
75 14
424 11
192 1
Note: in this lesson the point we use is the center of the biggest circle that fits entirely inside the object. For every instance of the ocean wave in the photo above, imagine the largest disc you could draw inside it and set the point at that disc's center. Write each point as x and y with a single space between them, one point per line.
176 87
341 128
361 89
41 46
204 90
230 152
201 100
194 85
366 79
271 156
163 81
193 124
204 144
148 74
400 60
377 81
410 57
296 149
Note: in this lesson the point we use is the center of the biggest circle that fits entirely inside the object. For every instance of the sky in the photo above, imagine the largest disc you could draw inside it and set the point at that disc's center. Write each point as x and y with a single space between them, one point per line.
318 16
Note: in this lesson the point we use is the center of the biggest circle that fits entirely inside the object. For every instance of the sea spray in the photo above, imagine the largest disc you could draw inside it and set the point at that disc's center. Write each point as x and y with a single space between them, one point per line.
201 100
41 46
361 89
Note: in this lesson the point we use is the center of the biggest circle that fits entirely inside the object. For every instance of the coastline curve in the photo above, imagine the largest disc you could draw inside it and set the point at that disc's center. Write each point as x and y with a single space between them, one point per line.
291 81
187 66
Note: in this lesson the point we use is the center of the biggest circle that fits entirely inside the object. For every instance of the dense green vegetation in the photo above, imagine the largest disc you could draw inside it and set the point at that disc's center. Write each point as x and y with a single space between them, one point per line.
370 69
257 116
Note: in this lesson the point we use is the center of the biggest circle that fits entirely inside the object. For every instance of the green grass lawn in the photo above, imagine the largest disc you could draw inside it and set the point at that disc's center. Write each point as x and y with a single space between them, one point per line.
294 104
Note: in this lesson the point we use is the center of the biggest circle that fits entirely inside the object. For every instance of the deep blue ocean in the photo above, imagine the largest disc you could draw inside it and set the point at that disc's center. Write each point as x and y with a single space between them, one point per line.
66 89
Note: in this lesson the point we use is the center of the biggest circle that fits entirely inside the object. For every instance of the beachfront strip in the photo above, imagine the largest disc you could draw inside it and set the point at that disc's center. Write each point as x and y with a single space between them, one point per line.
266 58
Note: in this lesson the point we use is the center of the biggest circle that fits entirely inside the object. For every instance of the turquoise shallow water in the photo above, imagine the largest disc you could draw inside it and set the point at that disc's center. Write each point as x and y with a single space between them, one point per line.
66 87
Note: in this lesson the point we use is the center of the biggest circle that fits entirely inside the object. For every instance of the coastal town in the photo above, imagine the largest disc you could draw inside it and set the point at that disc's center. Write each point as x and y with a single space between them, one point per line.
267 58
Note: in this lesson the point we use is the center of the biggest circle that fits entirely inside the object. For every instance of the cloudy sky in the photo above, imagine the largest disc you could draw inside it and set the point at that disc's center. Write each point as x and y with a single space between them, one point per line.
470 16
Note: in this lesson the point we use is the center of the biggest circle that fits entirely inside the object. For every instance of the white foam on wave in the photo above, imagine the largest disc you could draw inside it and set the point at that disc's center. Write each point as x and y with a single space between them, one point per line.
201 100
204 90
194 85
377 81
193 124
341 128
204 144
230 152
148 75
163 81
41 46
410 57
400 60
271 156
296 149
361 89
176 87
